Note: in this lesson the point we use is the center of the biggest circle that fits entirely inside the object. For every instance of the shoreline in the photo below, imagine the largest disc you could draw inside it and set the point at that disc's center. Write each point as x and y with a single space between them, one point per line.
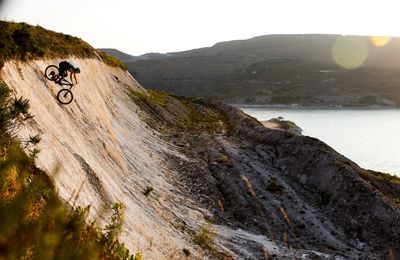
303 107
386 164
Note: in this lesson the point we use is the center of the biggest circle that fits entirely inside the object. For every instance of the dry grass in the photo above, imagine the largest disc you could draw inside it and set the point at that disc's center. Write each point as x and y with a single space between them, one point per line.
249 186
112 61
205 238
183 113
274 187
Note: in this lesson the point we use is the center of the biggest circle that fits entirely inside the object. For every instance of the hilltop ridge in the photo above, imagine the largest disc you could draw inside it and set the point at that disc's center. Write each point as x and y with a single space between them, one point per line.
21 41
277 70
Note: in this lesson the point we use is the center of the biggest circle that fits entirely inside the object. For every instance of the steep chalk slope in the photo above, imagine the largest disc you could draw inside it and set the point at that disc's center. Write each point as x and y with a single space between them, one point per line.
103 151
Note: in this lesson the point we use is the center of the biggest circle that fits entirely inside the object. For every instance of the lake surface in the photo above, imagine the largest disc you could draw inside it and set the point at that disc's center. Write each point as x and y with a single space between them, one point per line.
369 137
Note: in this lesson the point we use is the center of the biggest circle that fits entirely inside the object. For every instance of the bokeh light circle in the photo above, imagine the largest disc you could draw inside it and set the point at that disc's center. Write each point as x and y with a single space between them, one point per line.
379 41
350 52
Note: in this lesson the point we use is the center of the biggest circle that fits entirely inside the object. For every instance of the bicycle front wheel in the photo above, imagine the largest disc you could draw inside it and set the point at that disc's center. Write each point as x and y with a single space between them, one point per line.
51 72
65 96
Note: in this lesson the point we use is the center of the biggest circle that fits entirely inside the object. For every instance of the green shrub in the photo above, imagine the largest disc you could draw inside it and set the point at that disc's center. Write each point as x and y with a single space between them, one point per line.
148 190
14 113
205 238
23 38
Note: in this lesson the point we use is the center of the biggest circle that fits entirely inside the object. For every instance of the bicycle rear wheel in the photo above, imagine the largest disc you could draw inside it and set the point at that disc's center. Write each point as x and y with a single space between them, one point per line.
65 96
52 72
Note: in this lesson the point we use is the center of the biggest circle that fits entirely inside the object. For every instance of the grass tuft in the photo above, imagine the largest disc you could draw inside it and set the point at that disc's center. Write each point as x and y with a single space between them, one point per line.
148 190
273 186
205 238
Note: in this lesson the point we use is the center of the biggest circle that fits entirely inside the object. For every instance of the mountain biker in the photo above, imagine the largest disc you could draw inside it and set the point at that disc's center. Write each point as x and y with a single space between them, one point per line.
66 66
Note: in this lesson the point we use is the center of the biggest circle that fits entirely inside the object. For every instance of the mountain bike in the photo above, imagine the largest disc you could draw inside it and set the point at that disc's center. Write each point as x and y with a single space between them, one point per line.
64 96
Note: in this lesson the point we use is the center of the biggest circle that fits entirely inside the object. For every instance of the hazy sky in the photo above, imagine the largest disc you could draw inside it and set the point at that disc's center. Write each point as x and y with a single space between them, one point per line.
137 27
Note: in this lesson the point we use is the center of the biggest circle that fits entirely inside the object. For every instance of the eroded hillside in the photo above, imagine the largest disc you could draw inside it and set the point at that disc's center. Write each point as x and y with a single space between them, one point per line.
272 193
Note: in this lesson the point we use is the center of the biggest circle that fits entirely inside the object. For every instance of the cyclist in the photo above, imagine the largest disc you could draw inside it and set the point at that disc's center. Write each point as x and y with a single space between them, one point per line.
66 66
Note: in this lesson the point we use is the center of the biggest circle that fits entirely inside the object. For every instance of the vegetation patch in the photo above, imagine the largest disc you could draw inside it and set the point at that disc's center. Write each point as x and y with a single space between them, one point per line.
205 238
112 61
286 125
153 103
200 117
384 176
274 187
21 41
151 97
25 42
186 114
148 190
224 159
158 97
387 184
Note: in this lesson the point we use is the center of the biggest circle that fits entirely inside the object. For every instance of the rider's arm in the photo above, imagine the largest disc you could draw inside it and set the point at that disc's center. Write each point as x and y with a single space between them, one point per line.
70 76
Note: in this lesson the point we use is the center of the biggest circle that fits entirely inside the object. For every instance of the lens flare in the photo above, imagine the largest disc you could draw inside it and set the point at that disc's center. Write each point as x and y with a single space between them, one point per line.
379 41
350 52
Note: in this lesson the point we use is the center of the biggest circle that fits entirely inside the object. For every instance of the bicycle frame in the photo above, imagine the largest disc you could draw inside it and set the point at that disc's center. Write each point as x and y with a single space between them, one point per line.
65 82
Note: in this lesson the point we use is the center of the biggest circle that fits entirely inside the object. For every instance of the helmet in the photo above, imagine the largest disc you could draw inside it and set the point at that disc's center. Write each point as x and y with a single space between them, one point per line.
78 70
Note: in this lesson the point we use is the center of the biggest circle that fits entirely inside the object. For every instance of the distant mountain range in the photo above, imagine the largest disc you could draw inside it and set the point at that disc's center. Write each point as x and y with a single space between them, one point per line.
129 58
274 69
119 54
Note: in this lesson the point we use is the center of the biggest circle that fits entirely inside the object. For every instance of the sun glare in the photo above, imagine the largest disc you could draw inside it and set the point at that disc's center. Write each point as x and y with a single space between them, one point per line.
379 41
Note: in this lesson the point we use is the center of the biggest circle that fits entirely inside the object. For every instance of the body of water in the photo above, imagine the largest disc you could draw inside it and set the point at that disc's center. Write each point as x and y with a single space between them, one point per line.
369 137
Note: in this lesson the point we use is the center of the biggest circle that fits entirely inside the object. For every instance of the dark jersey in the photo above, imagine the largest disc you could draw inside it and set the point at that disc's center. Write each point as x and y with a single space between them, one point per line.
64 66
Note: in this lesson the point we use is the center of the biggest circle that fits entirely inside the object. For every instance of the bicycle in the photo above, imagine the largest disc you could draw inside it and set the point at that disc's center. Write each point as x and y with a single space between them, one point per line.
64 96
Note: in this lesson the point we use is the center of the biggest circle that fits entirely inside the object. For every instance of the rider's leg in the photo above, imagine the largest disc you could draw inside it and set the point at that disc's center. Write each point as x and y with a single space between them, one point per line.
62 75
60 78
